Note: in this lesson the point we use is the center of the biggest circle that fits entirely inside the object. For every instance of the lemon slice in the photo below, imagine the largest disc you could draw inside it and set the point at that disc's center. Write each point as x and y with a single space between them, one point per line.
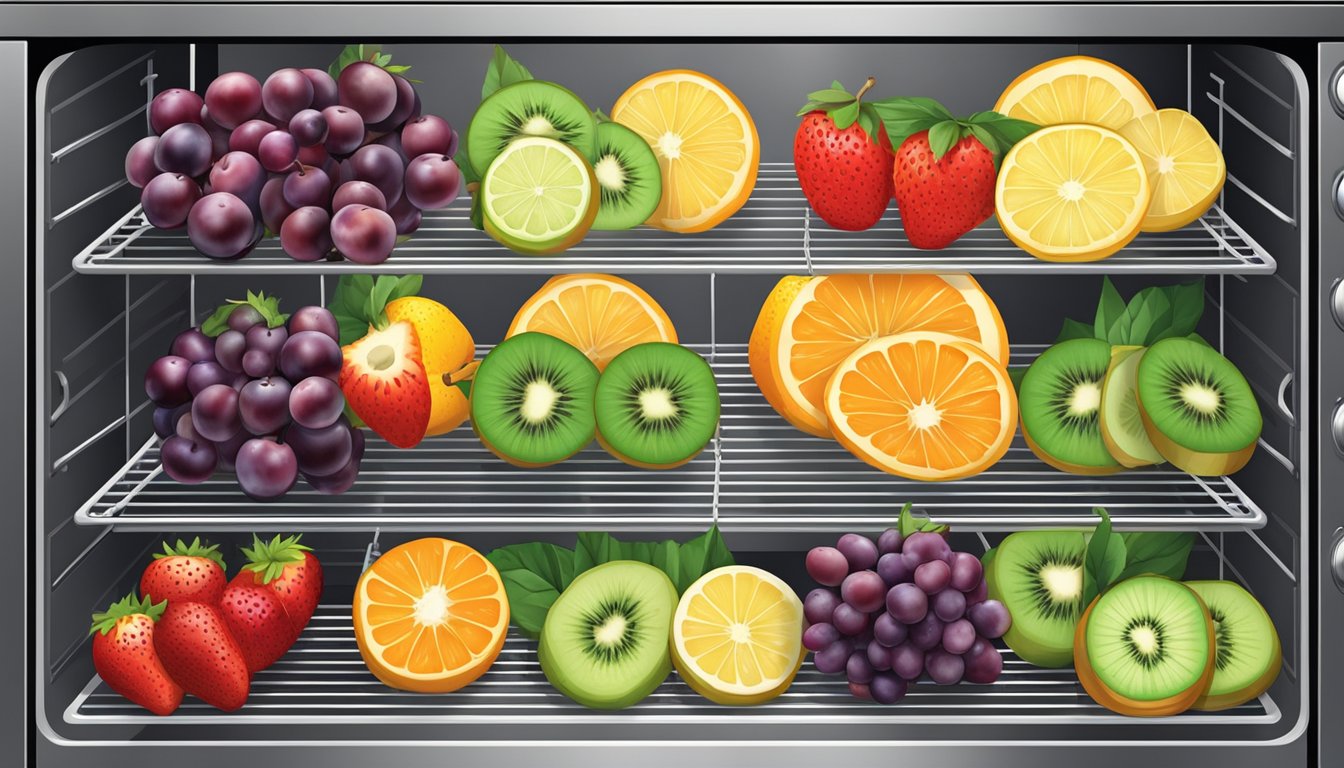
1072 193
539 196
1075 89
737 635
1185 167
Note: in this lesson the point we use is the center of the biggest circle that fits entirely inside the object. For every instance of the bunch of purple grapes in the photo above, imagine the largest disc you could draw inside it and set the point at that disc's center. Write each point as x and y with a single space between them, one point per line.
891 612
257 401
331 166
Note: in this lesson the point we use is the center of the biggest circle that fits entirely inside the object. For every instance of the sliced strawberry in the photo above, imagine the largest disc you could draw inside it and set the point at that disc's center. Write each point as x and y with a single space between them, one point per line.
183 571
125 657
202 655
289 570
384 381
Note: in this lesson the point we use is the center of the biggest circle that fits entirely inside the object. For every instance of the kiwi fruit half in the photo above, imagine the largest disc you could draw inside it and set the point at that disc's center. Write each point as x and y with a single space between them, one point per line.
532 400
529 108
657 405
604 643
1060 403
1145 648
628 178
1248 654
1121 425
1038 575
1197 407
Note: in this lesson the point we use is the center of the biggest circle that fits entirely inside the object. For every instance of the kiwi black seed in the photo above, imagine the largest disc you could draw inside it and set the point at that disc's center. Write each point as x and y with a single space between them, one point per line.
1060 403
529 108
657 405
628 178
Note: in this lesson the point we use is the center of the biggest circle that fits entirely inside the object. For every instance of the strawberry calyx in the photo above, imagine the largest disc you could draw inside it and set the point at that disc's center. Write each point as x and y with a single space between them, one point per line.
194 549
845 108
130 605
269 558
904 116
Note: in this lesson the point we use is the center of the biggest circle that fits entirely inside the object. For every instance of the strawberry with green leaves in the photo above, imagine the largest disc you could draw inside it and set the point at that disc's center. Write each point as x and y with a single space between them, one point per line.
191 572
945 166
125 657
288 570
843 157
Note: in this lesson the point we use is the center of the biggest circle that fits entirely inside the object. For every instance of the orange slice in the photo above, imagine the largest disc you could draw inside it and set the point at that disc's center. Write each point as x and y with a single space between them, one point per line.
807 326
705 142
430 616
927 406
600 315
1075 89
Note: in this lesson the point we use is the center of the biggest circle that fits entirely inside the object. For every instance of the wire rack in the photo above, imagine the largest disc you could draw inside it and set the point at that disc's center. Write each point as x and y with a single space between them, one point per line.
774 233
758 474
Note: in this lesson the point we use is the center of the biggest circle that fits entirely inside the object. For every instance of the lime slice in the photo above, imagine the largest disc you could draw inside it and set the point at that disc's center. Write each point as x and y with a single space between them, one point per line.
539 196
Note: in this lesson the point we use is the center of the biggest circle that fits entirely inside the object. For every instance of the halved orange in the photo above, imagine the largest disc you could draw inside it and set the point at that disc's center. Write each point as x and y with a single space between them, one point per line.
1075 89
927 406
430 616
808 325
600 315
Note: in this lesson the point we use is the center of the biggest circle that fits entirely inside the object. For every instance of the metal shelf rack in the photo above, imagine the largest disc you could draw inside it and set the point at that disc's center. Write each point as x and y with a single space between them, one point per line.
774 233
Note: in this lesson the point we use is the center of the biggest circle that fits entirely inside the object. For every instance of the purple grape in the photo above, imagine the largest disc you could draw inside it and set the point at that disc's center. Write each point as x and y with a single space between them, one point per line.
819 604
228 450
832 659
827 566
405 217
860 691
277 151
308 127
214 413
345 130
393 142
926 633
891 567
185 148
320 452
860 641
818 636
247 137
266 469
890 541
864 590
433 181
944 667
221 226
317 402
949 605
358 193
978 595
907 661
306 234
317 157
168 198
966 571
219 136
268 340
990 618
229 348
356 440
307 185
858 669
417 109
849 620
983 662
888 631
233 98
933 576
258 364
184 428
243 317
239 381
194 346
922 546
859 551
174 107
380 166
427 134
401 111
317 319
368 89
166 381
165 420
274 208
186 461
285 93
310 353
958 636
907 603
140 167
364 235
206 374
879 656
888 688
264 405
324 88
241 175
338 482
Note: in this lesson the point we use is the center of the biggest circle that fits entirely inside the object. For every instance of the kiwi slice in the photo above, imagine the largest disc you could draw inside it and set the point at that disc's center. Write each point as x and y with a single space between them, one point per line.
657 405
1145 647
628 178
1121 425
532 400
1060 403
1197 407
1247 655
605 640
529 108
1038 575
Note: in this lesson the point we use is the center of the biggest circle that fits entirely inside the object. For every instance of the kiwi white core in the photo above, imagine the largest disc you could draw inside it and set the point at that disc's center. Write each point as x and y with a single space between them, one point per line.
610 632
432 607
657 404
1063 582
925 415
1144 640
538 125
609 173
1086 398
670 145
1200 397
539 399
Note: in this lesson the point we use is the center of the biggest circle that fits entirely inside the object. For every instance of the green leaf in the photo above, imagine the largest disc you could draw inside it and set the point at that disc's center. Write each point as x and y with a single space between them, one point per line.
503 71
601 117
942 137
1074 330
463 162
1161 553
530 598
903 117
407 285
270 558
986 137
349 55
701 555
870 121
551 562
1105 558
1187 307
194 549
218 321
831 94
477 212
1015 374
907 523
837 86
1109 309
1200 339
595 548
846 115
1009 130
130 605
988 558
398 69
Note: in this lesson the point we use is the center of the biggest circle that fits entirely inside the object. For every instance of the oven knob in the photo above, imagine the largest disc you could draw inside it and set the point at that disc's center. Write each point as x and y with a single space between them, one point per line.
1338 195
1337 302
1337 90
1337 561
1337 426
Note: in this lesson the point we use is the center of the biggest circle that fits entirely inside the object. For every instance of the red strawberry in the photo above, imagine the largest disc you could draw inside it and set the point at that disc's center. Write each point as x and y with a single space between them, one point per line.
384 381
257 619
843 158
291 572
124 654
185 572
946 168
201 654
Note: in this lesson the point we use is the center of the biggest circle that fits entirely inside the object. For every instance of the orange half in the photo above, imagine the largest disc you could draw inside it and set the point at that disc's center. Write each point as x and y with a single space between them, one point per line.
926 406
430 616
